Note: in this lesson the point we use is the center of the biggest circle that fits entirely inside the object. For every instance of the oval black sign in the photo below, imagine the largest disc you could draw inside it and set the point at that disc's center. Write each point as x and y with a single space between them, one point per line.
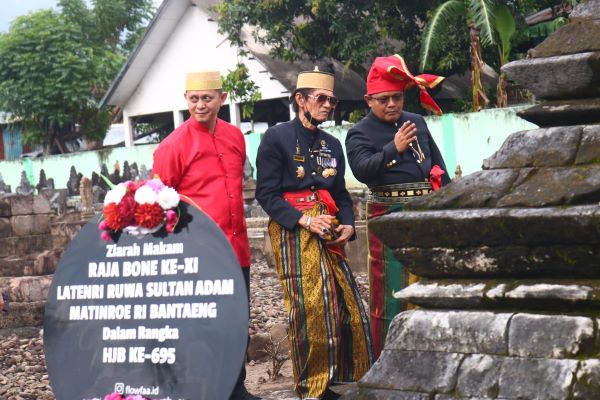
164 316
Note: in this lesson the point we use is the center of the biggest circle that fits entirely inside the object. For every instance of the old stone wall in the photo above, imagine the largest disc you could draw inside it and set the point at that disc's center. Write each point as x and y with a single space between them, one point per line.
27 258
445 355
509 284
508 257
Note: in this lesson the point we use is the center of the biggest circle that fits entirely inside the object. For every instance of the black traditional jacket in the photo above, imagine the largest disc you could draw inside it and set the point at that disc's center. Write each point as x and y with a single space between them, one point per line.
291 158
373 157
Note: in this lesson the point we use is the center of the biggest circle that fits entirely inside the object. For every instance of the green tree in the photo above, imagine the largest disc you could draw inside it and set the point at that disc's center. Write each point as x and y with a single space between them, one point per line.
477 17
54 67
541 30
242 89
476 27
115 24
351 31
356 31
504 27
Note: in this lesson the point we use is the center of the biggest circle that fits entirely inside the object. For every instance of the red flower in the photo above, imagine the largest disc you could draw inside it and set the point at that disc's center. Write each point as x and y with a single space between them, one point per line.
113 217
127 208
148 215
132 186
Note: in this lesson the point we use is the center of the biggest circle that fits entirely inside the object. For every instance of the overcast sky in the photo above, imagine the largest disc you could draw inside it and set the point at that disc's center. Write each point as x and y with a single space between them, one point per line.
10 9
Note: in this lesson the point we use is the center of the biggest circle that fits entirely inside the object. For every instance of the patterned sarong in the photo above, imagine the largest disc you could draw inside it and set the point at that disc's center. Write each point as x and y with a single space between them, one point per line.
386 273
329 329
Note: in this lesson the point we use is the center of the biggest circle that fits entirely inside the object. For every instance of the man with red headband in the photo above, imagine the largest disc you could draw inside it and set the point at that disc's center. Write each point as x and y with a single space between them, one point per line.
394 154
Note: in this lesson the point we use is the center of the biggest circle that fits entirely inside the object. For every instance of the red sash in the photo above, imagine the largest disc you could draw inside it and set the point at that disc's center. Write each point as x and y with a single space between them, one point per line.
306 199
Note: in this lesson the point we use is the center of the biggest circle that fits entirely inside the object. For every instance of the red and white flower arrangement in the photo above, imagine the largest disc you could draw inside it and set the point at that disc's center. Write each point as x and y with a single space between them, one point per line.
139 208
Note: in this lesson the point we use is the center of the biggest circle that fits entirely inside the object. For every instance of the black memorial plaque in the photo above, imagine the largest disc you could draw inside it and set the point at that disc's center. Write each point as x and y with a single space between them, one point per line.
164 316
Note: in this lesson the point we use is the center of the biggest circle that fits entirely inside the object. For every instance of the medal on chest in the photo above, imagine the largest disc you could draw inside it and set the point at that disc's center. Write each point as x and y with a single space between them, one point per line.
298 157
326 162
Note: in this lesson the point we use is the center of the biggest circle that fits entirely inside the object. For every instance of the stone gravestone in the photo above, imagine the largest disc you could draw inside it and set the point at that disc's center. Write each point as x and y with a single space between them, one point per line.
4 188
73 182
126 172
85 190
134 171
249 184
42 182
95 179
164 316
24 187
98 194
115 177
57 199
144 174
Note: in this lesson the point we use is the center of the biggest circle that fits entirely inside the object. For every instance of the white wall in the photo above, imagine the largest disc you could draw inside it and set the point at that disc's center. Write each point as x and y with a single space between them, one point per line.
195 45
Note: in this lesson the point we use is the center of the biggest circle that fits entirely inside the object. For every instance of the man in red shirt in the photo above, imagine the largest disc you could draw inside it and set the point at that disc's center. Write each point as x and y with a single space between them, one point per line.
203 159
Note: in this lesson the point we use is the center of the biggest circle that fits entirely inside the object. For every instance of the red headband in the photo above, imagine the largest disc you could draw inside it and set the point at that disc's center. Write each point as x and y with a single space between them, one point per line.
390 74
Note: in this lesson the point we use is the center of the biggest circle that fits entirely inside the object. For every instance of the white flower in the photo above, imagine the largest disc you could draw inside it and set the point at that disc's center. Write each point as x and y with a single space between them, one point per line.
115 195
168 198
145 195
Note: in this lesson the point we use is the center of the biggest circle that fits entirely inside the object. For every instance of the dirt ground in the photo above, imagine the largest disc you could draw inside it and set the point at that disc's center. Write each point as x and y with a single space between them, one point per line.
259 382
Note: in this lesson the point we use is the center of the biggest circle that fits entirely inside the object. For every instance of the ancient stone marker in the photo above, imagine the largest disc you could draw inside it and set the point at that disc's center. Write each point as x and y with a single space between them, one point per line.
24 187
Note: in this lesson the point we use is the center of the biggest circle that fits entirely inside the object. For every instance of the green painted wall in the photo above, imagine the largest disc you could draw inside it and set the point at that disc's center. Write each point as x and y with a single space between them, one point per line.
468 139
464 139
85 162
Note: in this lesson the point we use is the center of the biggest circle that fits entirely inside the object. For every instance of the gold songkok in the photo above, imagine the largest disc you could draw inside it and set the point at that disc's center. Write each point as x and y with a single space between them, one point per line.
315 80
204 80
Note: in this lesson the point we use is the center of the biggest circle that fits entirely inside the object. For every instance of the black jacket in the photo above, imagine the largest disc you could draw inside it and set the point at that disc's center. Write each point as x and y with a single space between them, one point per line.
373 157
277 170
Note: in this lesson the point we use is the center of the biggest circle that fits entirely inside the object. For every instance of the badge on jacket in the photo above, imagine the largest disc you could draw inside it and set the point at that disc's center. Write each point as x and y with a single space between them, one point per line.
327 172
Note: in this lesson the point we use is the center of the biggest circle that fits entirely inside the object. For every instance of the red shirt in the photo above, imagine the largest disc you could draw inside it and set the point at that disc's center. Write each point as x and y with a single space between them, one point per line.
208 168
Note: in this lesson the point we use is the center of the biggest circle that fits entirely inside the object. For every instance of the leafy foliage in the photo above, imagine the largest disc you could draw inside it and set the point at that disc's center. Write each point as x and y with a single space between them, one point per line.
441 18
544 29
242 89
450 38
356 31
117 24
483 15
504 27
353 31
455 13
501 23
54 67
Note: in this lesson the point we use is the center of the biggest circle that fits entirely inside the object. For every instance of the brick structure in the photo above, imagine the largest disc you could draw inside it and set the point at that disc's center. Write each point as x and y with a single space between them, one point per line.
26 258
509 256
